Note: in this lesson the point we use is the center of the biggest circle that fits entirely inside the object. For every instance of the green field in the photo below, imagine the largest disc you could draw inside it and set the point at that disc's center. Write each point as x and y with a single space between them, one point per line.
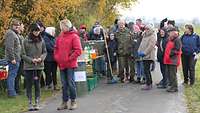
193 93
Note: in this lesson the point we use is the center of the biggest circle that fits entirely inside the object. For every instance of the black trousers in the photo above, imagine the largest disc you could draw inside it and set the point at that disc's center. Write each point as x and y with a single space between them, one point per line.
171 70
147 71
188 64
50 69
33 78
164 80
18 77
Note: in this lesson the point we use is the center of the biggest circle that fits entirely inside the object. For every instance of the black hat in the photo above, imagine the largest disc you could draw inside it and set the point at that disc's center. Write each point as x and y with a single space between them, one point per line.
34 27
40 23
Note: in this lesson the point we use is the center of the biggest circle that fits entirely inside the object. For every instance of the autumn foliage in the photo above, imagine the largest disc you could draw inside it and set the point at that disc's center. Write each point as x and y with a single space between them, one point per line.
51 11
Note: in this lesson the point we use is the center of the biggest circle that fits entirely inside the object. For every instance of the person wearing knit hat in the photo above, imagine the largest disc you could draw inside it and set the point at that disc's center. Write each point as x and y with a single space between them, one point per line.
83 35
50 65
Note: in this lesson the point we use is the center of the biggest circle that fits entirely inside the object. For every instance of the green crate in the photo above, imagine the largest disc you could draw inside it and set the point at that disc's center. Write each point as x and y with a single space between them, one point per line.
90 83
81 88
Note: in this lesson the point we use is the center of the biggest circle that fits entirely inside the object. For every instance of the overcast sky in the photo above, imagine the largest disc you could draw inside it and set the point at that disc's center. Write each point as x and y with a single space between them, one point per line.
173 9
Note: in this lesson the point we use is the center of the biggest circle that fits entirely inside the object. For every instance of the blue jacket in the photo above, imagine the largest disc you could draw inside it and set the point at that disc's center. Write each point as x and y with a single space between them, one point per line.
49 42
190 44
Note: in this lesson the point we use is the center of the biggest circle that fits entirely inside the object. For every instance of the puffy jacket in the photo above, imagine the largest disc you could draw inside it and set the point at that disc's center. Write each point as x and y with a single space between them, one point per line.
67 49
173 52
190 44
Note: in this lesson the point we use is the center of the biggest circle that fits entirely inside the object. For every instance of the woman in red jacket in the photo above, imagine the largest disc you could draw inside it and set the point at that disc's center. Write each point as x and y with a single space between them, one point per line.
172 57
67 49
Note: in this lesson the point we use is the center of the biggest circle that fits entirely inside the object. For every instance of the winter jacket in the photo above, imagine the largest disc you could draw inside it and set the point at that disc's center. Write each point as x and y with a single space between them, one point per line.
190 44
33 49
50 43
12 46
161 44
172 55
67 49
112 48
124 41
148 45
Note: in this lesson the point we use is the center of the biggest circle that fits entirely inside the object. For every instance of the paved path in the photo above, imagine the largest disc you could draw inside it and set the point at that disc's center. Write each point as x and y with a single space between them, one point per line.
125 98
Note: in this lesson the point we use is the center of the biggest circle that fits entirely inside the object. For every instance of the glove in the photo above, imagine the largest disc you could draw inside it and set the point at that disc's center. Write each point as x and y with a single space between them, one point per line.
141 54
114 54
196 56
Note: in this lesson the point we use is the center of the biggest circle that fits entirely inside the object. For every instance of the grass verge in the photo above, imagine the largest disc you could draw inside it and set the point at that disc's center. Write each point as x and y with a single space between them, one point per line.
20 103
193 93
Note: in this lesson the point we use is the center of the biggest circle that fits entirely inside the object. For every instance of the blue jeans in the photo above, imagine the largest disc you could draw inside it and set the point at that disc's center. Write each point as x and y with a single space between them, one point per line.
140 69
68 84
12 73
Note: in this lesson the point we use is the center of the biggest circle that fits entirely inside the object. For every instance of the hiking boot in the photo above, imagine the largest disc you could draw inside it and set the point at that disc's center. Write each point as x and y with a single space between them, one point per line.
161 86
138 81
147 87
37 107
56 88
73 105
171 89
63 106
143 81
30 106
185 83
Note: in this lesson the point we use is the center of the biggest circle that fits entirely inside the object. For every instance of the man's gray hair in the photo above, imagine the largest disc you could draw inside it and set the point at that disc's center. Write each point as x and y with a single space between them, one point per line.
121 21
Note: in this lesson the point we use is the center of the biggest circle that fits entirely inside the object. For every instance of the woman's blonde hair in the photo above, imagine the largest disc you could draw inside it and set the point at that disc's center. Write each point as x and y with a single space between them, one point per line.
66 23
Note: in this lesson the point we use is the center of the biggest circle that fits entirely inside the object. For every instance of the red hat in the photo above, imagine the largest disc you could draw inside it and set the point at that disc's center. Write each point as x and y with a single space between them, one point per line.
83 26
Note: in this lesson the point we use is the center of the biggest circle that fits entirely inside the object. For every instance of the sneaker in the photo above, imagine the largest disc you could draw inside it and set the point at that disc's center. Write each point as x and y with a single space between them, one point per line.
63 106
73 105
147 87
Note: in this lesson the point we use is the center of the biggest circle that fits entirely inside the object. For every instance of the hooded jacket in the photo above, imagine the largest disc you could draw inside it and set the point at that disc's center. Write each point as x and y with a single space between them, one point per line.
173 52
190 44
148 44
67 49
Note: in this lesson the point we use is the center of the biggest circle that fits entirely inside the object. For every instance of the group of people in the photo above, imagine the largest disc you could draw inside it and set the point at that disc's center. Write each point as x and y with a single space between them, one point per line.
130 47
135 49
41 51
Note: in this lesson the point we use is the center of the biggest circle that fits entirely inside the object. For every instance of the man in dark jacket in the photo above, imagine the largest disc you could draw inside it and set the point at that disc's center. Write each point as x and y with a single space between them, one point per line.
190 48
172 57
13 55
